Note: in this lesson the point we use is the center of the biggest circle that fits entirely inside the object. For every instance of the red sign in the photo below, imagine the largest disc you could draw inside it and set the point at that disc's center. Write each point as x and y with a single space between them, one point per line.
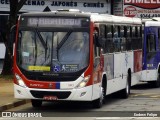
146 4
130 11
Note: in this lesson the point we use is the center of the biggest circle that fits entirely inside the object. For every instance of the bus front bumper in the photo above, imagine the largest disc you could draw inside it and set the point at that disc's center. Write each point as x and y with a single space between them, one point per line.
149 75
81 94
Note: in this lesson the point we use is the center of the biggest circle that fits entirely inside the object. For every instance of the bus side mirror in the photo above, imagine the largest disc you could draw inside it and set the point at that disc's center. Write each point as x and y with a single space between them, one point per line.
12 34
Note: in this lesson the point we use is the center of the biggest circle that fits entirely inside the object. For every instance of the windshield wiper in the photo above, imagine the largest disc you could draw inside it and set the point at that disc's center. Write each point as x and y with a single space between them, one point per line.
64 39
41 39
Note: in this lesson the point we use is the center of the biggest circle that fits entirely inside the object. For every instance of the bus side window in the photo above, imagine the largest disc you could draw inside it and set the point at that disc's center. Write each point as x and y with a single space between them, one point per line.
123 39
151 43
133 35
102 34
127 33
102 29
116 38
139 37
109 39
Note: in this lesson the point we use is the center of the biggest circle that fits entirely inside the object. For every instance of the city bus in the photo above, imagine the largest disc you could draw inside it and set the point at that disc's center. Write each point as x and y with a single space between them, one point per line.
151 52
76 56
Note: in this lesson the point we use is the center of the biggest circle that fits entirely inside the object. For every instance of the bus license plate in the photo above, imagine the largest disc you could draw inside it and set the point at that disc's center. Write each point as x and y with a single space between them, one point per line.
50 98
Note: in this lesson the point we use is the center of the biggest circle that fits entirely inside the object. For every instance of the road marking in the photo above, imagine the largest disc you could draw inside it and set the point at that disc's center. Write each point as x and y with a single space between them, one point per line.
149 95
156 96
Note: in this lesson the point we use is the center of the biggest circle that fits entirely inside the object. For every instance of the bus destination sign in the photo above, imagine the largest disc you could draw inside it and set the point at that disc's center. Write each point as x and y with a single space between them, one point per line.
51 22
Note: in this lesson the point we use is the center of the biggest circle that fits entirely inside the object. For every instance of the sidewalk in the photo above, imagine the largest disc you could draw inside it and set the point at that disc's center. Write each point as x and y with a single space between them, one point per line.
7 100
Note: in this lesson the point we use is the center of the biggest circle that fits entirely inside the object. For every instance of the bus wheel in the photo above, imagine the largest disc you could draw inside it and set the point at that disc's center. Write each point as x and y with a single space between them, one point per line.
125 92
99 102
157 82
36 103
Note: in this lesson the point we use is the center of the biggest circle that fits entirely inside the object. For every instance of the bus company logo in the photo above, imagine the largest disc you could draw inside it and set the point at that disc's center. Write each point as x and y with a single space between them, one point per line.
146 4
130 11
6 114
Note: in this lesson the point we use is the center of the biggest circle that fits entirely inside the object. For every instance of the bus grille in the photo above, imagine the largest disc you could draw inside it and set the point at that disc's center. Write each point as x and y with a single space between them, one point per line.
51 78
59 95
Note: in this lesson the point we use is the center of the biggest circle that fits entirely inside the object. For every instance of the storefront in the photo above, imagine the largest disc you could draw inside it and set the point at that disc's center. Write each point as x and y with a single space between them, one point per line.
100 6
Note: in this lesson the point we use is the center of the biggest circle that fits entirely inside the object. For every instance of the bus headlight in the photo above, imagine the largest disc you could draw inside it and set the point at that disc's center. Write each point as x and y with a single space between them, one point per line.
20 81
83 82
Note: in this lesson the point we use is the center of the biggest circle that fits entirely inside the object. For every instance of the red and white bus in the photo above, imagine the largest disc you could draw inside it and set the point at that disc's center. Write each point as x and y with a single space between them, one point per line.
76 56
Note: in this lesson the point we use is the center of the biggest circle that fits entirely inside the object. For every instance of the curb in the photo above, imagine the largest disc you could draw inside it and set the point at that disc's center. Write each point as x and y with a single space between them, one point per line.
14 104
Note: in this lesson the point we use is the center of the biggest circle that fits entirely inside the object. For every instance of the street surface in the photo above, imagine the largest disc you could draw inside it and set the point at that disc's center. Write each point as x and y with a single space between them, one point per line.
143 103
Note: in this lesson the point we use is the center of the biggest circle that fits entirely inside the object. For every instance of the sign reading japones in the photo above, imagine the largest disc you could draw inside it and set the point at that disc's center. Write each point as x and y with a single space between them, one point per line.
100 6
141 8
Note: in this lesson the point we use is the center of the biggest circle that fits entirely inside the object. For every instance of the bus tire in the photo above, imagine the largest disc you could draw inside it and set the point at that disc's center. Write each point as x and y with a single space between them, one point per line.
157 82
126 91
36 103
99 102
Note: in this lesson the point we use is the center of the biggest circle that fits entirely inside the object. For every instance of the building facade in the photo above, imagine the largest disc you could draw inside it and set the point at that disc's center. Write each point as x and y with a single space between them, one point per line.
98 6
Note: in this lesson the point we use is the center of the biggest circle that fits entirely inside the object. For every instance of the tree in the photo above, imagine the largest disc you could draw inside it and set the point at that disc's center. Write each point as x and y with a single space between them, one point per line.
15 6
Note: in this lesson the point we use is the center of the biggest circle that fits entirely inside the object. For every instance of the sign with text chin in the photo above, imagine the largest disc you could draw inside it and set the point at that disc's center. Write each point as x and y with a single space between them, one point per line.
101 6
141 8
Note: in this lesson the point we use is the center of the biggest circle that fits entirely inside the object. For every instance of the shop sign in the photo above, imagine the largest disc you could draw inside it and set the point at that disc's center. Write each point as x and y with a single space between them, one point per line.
142 8
101 6
118 7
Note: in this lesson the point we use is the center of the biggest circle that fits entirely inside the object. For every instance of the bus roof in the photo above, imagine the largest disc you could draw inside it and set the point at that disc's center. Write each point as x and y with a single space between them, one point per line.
156 18
152 23
101 18
137 21
144 20
115 19
57 13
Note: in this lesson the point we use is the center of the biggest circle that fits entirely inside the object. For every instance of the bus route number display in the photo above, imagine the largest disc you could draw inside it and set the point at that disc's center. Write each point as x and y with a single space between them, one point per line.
51 22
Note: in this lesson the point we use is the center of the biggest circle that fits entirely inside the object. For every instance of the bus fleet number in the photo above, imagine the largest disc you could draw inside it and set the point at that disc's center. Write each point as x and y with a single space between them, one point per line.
149 15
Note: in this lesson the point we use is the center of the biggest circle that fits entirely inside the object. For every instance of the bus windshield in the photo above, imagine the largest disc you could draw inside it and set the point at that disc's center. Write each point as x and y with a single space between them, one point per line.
53 51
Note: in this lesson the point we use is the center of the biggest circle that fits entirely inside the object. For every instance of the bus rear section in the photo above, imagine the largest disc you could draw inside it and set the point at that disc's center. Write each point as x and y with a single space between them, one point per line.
151 53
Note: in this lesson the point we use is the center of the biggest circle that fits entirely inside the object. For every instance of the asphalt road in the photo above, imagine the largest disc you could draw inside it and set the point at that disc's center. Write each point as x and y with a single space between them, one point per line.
143 103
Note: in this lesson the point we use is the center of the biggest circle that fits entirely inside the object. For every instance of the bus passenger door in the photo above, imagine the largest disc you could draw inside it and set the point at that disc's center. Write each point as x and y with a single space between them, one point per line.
96 65
151 57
